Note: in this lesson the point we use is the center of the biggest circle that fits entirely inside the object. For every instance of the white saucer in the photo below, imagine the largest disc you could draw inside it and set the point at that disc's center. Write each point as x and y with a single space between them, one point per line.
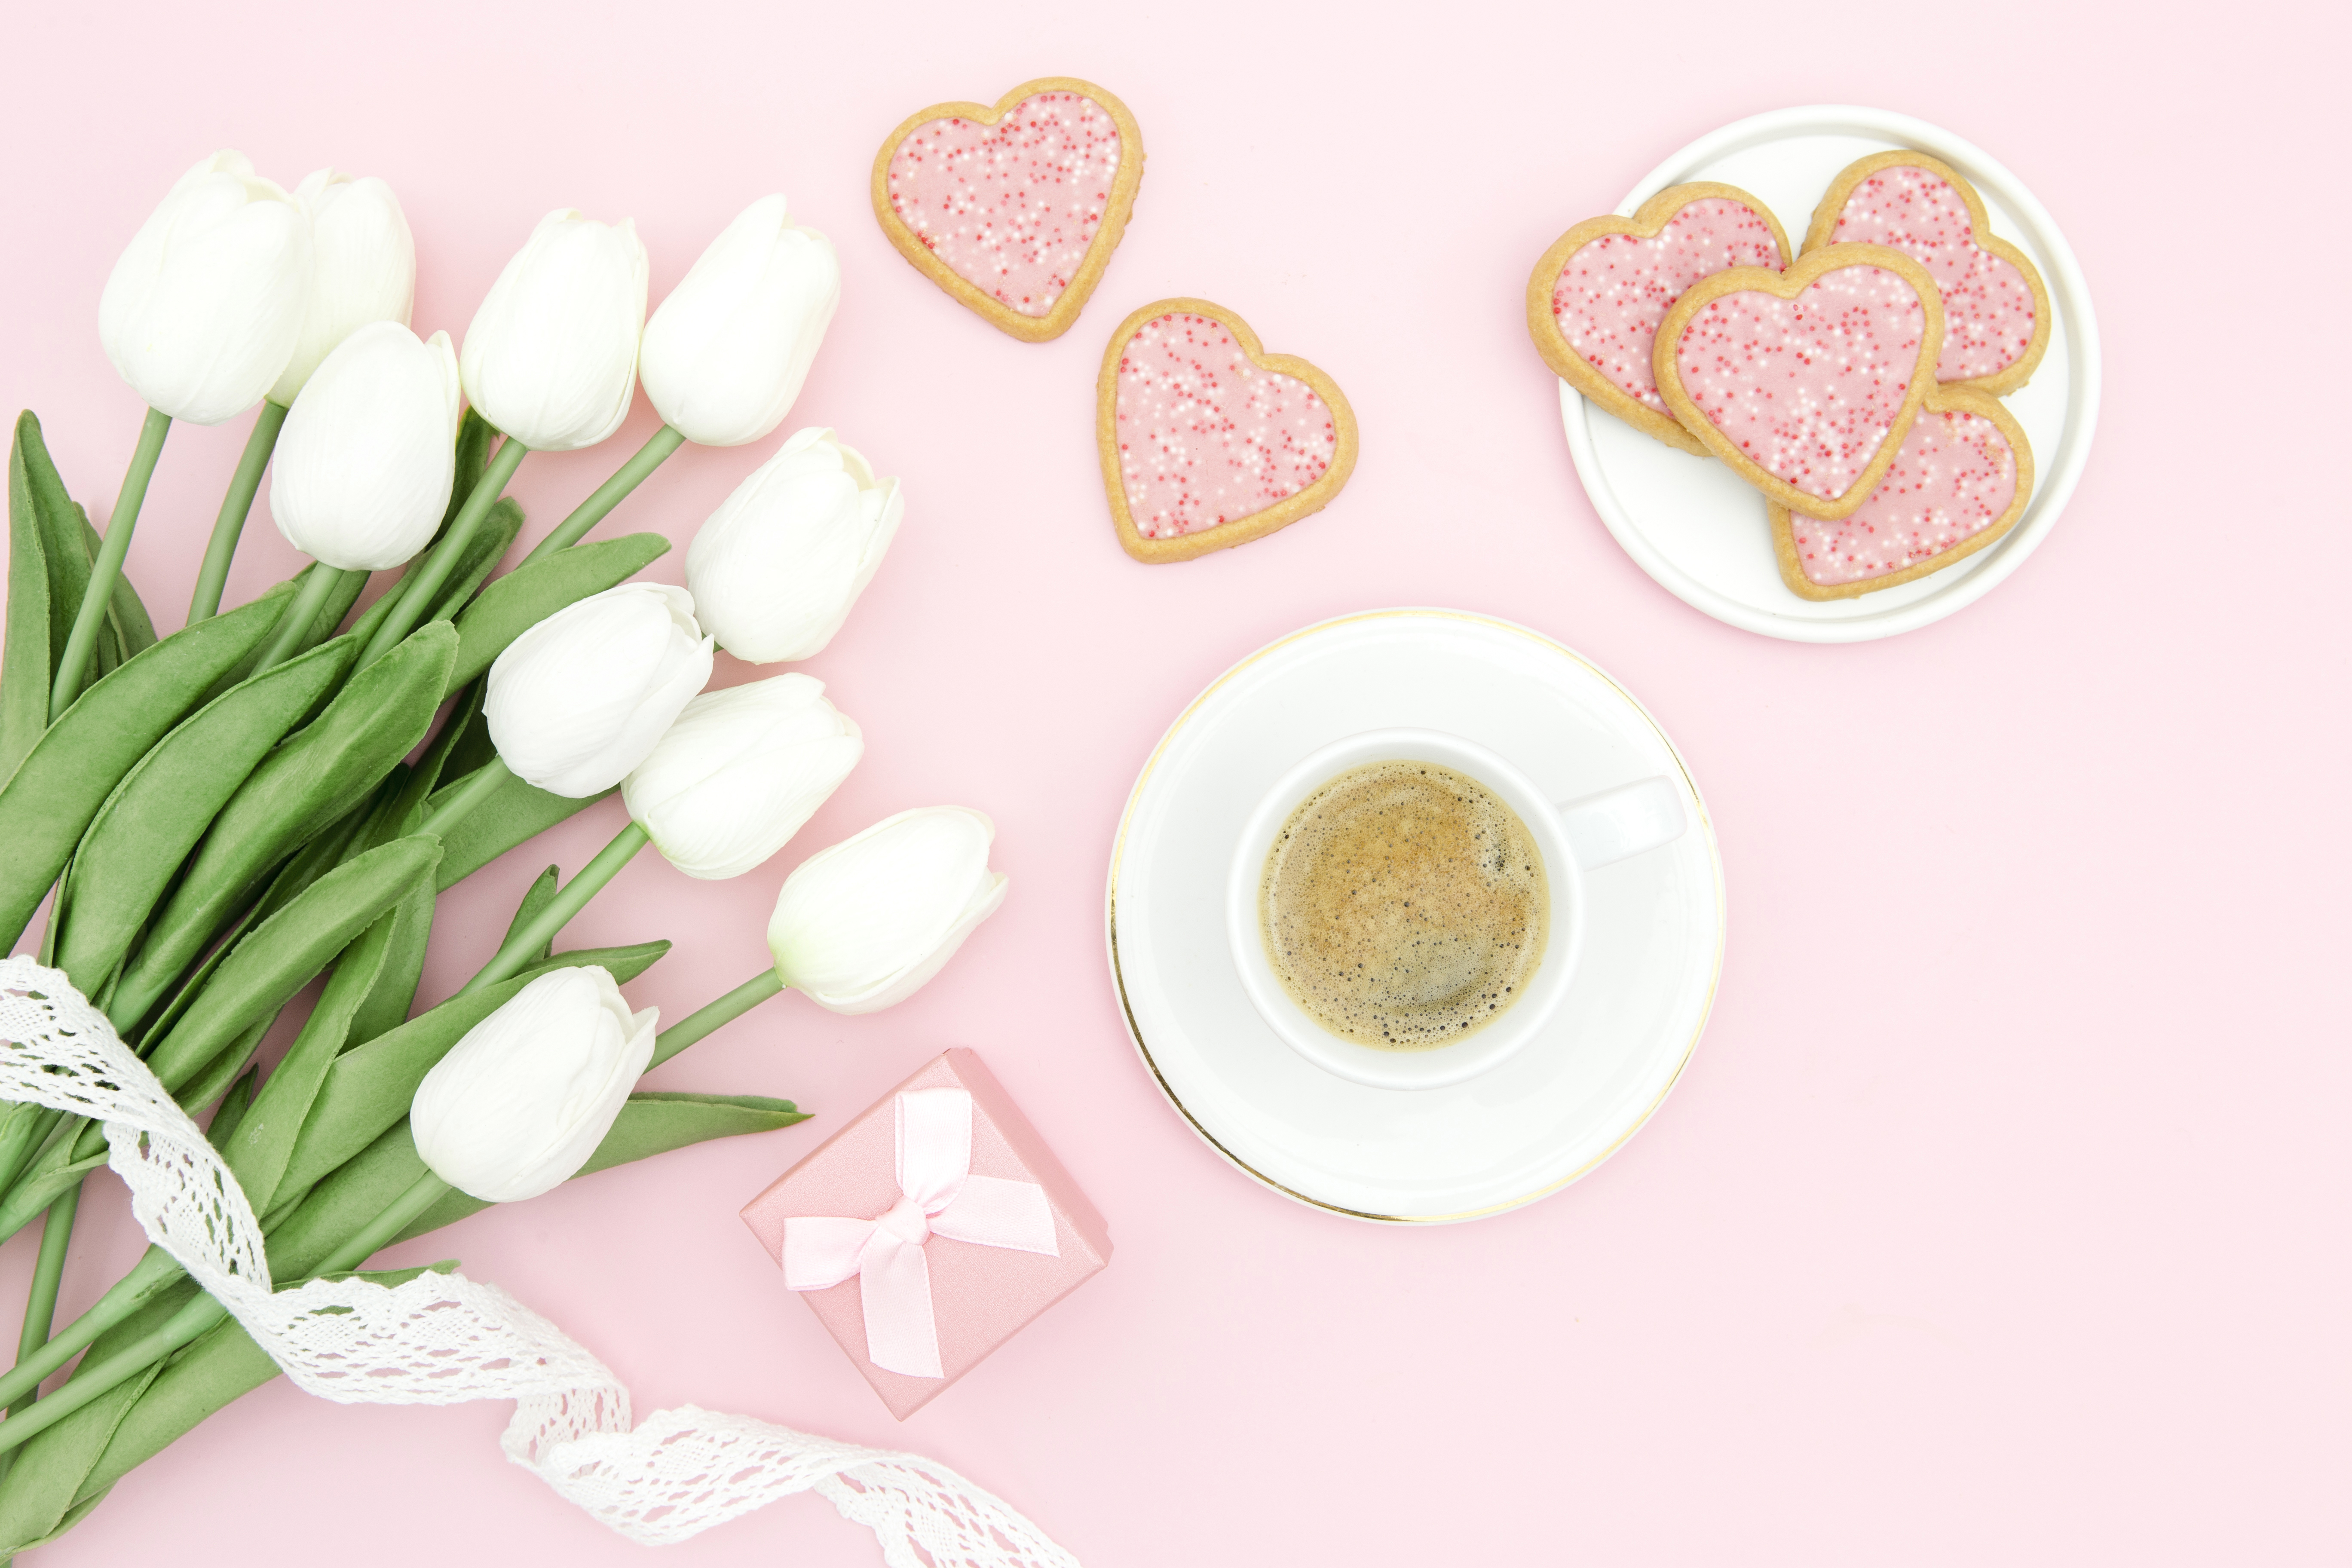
1653 943
1701 532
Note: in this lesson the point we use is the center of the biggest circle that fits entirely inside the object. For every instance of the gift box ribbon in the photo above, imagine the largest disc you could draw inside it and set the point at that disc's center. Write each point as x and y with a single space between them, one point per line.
938 1196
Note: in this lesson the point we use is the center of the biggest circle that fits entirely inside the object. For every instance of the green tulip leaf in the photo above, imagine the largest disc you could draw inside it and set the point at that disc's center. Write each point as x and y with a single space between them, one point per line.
316 776
264 1140
213 1080
234 1107
424 777
126 613
58 1169
475 436
488 546
126 630
75 764
27 660
541 894
514 813
279 956
536 589
61 524
388 1001
143 834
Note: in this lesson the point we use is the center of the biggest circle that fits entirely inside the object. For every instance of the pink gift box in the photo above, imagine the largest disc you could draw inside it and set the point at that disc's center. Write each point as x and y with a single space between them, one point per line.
980 1295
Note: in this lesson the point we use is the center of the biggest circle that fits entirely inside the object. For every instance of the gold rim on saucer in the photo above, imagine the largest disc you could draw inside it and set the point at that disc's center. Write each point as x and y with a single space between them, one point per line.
1143 1046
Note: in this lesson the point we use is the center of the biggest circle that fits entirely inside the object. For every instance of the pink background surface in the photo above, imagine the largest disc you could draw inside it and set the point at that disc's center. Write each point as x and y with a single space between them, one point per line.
2000 1215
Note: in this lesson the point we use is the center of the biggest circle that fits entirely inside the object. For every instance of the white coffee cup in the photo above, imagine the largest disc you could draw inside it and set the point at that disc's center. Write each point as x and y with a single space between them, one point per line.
1574 837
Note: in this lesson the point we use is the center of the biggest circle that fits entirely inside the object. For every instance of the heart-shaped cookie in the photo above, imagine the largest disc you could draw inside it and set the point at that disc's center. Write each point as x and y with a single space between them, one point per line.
1014 208
1996 311
1960 480
1805 381
1596 297
1207 440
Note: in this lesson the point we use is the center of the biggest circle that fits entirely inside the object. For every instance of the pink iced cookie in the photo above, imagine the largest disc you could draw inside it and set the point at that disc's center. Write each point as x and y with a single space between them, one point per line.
1960 479
1805 382
1014 209
1206 440
1996 311
1597 294
1612 293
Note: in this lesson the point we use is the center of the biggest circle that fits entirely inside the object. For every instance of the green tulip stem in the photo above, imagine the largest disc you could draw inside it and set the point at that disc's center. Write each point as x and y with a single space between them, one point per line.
525 943
609 494
199 1316
294 626
185 1325
41 1301
37 1362
424 582
422 1193
75 661
717 1014
479 785
236 507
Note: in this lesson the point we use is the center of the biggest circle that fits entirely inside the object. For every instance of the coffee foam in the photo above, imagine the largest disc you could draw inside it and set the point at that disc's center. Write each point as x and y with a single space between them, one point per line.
1405 905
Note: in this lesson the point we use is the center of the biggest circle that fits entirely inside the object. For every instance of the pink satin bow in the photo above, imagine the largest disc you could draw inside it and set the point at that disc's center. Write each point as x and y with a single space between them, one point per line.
938 1196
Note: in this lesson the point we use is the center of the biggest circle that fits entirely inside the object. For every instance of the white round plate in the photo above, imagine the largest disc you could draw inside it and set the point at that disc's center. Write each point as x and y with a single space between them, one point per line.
1654 938
1701 532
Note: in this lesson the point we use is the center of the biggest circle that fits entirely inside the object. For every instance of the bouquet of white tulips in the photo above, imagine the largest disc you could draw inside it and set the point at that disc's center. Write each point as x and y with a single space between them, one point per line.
216 818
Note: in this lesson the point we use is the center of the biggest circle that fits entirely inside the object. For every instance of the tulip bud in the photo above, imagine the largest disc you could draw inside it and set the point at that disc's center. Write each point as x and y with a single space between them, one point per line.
578 700
861 926
363 269
776 568
518 1105
740 771
365 464
551 356
726 353
204 308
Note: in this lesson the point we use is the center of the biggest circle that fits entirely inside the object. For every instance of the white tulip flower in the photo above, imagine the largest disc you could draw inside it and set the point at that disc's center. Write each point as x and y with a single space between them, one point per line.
365 463
363 269
725 355
579 699
518 1105
205 305
740 771
551 356
776 568
861 926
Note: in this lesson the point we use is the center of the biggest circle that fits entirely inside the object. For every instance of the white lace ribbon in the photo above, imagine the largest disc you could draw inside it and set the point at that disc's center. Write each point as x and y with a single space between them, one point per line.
443 1339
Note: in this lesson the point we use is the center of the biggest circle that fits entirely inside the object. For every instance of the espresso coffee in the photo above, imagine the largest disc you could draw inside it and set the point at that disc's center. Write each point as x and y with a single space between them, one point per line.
1404 905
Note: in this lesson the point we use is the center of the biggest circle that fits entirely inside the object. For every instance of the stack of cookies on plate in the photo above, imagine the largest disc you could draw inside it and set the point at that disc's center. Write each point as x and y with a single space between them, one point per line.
1857 386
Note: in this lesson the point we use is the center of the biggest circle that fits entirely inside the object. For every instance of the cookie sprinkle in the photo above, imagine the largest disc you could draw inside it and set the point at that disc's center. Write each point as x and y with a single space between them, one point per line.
1613 292
1953 478
1205 435
1988 305
1808 387
1012 206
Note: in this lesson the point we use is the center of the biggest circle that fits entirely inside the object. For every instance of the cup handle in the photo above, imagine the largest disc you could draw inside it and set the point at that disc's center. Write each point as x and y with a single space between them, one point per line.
1620 823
